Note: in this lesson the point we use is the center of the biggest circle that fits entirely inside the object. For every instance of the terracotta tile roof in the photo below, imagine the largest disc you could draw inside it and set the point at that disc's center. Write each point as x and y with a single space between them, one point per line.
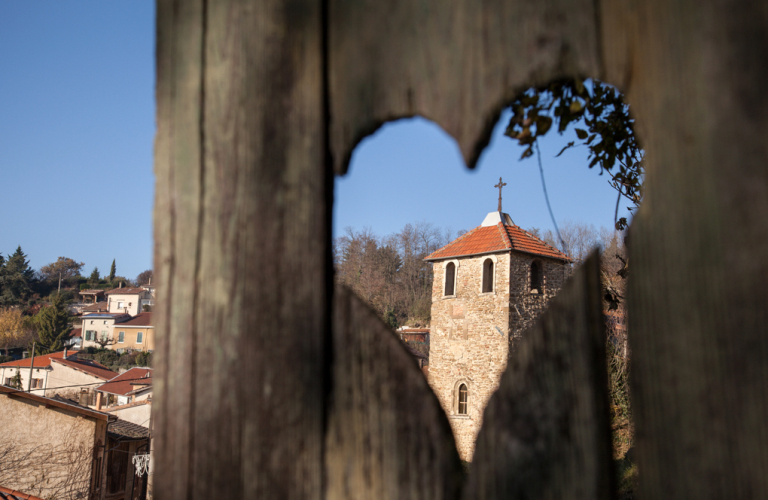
91 291
76 332
125 429
127 291
87 366
83 365
43 361
141 319
127 382
7 494
498 238
133 404
97 307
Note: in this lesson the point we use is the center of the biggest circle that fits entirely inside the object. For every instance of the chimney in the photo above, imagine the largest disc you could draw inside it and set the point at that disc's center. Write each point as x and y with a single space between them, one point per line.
121 285
150 281
65 353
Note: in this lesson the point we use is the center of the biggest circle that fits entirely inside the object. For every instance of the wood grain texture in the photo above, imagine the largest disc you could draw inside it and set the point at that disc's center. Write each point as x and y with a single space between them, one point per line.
456 62
698 250
546 431
388 437
242 232
177 205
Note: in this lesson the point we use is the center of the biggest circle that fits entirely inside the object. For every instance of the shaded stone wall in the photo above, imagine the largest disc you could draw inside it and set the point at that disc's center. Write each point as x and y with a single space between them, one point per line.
471 332
525 306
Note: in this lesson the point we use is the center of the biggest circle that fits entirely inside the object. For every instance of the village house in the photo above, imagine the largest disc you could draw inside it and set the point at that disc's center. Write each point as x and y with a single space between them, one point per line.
128 300
97 327
128 396
149 287
489 285
136 333
55 448
57 373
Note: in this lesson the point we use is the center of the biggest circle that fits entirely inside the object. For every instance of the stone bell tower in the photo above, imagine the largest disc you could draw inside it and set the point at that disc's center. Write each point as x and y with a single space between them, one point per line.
489 285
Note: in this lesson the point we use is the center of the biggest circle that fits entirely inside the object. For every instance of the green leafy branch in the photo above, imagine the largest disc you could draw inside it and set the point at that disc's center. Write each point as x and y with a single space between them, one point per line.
609 135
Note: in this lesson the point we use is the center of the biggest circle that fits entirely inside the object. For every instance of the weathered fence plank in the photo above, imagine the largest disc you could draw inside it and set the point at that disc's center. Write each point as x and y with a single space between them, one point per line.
177 208
456 62
388 437
698 315
243 229
546 431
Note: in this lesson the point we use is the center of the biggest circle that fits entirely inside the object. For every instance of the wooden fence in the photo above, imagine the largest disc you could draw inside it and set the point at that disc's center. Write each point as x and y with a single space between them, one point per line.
270 385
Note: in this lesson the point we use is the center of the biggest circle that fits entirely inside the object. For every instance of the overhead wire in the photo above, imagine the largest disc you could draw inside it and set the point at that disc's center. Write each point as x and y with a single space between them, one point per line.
546 196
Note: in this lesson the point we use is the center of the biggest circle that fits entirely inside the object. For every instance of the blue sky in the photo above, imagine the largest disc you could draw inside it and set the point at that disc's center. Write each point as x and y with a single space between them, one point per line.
411 170
77 126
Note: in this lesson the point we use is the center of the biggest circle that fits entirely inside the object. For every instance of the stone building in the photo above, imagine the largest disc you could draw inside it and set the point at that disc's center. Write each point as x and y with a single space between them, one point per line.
489 285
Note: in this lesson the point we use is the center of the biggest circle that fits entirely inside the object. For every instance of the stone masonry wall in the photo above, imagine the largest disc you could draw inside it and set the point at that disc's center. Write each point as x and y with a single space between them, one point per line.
525 305
471 332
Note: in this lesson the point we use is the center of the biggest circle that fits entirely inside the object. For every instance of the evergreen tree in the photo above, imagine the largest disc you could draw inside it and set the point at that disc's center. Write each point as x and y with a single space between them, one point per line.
16 279
52 326
2 270
95 277
112 271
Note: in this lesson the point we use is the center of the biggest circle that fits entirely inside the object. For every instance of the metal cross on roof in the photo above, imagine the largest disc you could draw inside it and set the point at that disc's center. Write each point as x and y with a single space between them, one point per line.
500 185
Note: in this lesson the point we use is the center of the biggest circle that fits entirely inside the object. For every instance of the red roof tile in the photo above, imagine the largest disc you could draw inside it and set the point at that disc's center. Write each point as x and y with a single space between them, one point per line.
498 238
142 319
97 307
87 366
76 332
44 361
128 381
8 494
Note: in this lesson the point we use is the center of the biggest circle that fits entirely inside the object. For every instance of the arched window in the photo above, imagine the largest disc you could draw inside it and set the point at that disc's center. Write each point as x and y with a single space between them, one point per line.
487 275
450 279
536 277
462 408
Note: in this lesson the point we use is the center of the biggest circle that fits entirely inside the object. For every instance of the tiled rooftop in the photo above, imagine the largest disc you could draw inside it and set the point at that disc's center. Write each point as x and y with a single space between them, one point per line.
141 319
125 429
497 238
87 366
97 307
83 365
43 361
128 381
8 494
